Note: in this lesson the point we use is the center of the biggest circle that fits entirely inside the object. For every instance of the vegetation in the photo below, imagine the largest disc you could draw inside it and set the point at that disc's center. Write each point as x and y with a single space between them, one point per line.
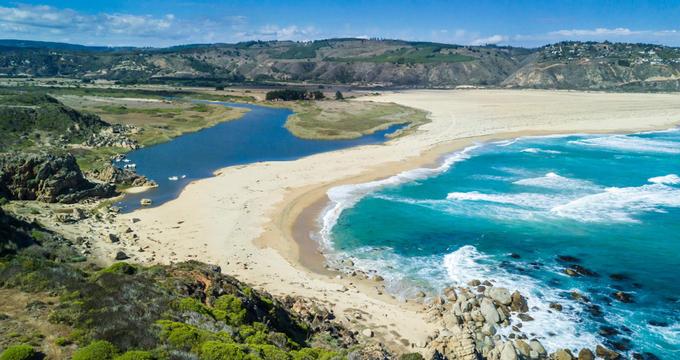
294 95
410 55
128 311
349 119
19 352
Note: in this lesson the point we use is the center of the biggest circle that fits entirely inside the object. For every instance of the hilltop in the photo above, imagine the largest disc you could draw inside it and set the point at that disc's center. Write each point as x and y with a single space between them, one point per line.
357 62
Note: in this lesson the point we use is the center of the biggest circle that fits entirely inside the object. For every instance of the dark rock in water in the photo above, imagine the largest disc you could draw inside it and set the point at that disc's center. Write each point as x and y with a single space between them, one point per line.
595 310
607 331
120 255
481 288
474 283
623 297
586 354
575 295
525 317
514 256
578 270
621 345
645 356
637 285
568 259
657 323
487 283
619 277
606 354
47 178
556 306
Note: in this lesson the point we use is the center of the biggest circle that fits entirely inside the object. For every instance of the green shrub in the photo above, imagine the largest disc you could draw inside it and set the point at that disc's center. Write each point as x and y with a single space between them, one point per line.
18 352
121 268
97 350
254 334
269 352
187 337
191 304
314 354
216 350
136 355
229 309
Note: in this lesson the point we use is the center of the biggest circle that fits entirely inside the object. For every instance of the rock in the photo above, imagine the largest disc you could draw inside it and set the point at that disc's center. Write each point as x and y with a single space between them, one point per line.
378 278
420 294
519 303
78 214
606 354
120 255
578 270
115 175
47 178
568 259
556 306
473 283
348 262
623 297
537 347
562 355
450 294
586 354
367 332
145 202
525 317
135 220
127 230
508 352
488 329
607 331
523 348
500 295
113 238
489 312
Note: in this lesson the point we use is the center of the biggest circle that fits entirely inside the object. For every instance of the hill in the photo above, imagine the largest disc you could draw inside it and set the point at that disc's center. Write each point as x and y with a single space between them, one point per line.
357 62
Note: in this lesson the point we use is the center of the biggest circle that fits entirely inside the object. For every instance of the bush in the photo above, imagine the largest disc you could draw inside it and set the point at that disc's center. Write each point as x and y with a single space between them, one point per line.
269 352
136 355
97 350
338 95
411 356
230 309
187 337
191 304
19 352
314 354
216 350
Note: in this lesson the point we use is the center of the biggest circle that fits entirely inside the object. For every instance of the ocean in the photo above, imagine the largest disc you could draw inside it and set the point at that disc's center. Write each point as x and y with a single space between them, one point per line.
522 212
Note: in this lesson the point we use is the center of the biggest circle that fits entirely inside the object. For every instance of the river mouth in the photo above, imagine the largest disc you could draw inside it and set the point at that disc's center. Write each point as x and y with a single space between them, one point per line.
548 216
259 135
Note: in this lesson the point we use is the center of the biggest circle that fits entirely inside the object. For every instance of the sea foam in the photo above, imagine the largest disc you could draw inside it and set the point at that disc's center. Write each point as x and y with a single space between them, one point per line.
630 144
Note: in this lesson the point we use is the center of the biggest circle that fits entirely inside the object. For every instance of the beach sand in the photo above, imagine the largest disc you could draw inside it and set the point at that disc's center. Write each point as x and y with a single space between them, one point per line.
254 220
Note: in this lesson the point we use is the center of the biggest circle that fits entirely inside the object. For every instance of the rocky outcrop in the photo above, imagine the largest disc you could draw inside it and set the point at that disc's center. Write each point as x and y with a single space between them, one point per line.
47 178
115 175
115 135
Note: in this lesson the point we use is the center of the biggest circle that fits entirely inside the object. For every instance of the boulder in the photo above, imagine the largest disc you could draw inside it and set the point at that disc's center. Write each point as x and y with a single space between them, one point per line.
116 175
563 354
367 332
606 354
113 238
500 295
450 294
586 354
623 297
120 255
556 306
519 303
523 348
47 178
489 312
508 352
537 347
525 317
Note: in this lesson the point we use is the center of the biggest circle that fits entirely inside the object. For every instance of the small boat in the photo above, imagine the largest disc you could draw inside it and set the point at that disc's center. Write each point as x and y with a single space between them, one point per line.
173 178
129 166
126 160
145 202
184 176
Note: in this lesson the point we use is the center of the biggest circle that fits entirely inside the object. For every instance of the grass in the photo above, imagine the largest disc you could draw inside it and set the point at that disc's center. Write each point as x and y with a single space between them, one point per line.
418 55
348 119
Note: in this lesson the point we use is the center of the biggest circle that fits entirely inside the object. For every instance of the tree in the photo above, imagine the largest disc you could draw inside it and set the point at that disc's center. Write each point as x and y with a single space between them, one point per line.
338 95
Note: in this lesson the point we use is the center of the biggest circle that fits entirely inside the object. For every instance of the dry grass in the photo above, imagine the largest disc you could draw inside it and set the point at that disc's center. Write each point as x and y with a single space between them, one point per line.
348 119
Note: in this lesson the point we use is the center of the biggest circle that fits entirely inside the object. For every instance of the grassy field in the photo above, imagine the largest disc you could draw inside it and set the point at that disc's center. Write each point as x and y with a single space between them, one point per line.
348 119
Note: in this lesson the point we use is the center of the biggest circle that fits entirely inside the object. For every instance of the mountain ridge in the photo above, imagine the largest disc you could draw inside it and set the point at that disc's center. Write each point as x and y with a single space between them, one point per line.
358 62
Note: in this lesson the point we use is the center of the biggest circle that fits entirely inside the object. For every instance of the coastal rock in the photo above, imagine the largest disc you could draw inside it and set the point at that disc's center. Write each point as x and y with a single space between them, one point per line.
113 238
474 283
450 294
508 352
47 178
623 297
537 347
367 333
586 354
563 354
606 354
120 255
578 270
523 348
489 312
525 317
519 303
116 175
500 295
555 306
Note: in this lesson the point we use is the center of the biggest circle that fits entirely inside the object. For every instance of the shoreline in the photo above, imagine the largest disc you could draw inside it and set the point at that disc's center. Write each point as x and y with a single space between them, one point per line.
248 219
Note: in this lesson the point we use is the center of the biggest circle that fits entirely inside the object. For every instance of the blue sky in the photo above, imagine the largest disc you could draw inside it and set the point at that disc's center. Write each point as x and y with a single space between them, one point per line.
172 22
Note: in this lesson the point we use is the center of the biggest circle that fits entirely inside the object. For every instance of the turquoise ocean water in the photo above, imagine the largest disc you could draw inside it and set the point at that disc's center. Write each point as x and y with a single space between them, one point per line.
520 212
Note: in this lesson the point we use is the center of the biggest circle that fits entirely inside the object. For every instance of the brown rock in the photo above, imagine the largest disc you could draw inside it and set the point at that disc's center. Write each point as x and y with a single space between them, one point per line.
586 354
606 354
563 354
519 303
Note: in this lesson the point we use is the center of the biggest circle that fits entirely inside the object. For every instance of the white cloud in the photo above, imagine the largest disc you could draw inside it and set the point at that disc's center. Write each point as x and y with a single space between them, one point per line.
493 39
595 32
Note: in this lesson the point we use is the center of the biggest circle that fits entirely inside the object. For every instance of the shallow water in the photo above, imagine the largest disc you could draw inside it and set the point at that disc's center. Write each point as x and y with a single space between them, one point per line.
259 135
507 211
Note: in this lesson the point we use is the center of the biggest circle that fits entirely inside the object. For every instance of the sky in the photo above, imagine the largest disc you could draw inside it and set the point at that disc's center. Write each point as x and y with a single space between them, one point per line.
155 23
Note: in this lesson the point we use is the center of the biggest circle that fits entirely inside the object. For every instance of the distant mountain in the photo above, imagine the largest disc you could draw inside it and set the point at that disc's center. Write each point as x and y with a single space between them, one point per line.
359 62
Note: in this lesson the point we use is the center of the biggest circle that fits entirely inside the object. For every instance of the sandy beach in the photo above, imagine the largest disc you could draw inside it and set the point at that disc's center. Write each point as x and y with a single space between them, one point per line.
254 220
